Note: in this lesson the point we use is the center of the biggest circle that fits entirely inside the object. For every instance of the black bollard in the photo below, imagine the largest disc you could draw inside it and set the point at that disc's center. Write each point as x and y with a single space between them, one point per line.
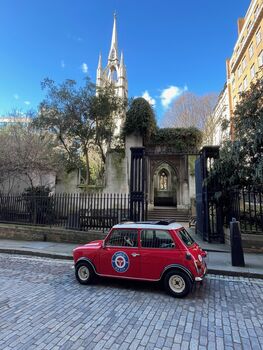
237 254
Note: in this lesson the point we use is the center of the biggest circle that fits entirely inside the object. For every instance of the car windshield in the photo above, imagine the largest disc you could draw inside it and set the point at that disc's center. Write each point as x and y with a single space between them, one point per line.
185 237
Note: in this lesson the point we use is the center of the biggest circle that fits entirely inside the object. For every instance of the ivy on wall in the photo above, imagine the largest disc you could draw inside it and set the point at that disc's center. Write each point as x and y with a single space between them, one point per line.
183 139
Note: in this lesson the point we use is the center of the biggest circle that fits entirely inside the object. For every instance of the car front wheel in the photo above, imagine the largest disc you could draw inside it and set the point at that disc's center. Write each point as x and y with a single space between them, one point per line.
177 283
84 273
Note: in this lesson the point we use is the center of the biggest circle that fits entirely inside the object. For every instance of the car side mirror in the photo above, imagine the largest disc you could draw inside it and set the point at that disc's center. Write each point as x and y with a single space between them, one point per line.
103 244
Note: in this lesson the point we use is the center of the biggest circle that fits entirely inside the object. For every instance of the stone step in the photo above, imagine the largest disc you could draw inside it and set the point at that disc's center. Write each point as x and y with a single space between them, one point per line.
181 215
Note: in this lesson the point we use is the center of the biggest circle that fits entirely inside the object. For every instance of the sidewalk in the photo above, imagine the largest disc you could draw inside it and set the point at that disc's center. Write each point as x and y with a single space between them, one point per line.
218 259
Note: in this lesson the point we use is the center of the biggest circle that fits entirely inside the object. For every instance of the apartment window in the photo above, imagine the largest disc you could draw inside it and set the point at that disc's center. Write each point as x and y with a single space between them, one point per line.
260 59
239 71
251 50
244 63
258 36
240 88
252 72
245 83
248 26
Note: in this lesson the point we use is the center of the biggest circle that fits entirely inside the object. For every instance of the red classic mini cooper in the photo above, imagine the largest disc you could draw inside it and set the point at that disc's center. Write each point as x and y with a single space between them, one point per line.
152 251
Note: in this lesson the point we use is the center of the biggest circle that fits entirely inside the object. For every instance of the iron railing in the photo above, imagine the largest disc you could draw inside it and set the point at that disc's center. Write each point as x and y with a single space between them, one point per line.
246 205
72 211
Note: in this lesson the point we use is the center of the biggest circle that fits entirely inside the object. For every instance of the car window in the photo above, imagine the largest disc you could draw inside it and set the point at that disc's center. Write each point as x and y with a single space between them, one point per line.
185 237
123 238
156 239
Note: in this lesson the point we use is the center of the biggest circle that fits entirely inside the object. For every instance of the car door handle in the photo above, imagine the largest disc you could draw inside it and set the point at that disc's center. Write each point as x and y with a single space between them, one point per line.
135 254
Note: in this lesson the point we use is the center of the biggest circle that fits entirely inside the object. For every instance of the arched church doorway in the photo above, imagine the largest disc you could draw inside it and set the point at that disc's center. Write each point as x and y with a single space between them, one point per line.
165 186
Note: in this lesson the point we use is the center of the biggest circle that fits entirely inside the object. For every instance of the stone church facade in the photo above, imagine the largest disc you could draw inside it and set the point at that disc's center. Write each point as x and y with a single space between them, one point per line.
169 181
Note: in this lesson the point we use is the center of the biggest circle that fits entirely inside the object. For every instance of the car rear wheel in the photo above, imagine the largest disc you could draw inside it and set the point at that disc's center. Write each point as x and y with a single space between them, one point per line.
177 283
84 272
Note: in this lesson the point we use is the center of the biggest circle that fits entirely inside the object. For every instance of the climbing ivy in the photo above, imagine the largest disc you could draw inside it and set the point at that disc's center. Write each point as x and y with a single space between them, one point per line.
182 139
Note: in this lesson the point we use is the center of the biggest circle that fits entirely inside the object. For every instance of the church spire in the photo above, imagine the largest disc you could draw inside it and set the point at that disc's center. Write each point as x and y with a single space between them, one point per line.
100 62
122 59
99 72
113 54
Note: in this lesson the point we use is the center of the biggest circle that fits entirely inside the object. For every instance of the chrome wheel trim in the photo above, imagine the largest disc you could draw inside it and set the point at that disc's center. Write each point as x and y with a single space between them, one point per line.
177 284
83 273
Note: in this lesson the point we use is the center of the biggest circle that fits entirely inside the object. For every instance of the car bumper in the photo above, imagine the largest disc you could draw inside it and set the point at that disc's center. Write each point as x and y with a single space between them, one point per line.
200 278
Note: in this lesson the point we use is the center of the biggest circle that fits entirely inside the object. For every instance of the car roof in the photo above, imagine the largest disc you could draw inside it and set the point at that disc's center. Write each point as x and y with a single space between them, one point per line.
151 225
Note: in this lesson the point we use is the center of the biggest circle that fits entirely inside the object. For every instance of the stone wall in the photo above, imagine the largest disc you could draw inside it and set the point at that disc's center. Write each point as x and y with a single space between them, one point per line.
48 234
250 242
116 172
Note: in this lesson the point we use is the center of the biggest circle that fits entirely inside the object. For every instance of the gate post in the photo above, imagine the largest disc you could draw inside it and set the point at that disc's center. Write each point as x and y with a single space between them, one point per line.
137 184
209 212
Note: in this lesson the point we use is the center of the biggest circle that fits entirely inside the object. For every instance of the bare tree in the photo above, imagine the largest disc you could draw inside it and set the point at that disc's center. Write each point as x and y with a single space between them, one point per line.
27 154
191 110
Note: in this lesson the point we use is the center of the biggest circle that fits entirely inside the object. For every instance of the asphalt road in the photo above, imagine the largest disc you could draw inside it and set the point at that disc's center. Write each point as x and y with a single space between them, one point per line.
43 307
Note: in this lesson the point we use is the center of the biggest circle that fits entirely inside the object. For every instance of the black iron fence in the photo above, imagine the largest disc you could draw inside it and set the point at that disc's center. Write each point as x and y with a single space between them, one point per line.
246 205
73 211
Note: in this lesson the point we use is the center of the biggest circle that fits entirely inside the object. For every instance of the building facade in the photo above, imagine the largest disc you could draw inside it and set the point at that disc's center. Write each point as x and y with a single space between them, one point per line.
243 68
220 114
8 121
246 62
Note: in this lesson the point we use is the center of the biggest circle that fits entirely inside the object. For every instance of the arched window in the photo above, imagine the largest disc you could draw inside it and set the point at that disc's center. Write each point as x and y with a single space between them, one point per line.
113 74
163 180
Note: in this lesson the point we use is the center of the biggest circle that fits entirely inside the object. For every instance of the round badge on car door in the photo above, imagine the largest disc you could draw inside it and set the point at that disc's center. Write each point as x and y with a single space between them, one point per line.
120 262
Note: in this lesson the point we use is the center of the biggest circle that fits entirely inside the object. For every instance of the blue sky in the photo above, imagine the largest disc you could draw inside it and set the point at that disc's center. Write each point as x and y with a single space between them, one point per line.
168 45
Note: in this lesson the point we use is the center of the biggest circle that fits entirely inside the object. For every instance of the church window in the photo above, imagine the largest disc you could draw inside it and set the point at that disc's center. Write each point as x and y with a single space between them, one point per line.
114 76
163 181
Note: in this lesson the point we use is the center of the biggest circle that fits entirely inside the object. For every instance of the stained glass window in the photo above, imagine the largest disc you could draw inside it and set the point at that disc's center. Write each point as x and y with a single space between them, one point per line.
163 181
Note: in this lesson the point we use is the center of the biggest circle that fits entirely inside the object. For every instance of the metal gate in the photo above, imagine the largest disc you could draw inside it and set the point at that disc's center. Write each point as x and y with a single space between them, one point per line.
138 204
209 223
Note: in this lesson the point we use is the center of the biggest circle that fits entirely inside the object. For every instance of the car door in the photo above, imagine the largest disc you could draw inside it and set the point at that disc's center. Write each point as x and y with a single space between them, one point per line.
158 250
120 255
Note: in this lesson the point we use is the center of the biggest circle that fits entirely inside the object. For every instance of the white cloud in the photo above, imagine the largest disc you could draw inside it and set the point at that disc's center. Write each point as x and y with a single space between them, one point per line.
27 103
169 94
148 98
16 96
84 67
62 64
75 38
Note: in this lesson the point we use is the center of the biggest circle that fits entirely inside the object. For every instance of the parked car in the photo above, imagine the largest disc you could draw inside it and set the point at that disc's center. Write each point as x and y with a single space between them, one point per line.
151 251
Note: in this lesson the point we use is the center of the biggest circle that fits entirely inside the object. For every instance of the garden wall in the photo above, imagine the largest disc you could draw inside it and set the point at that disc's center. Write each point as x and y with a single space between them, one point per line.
48 234
250 242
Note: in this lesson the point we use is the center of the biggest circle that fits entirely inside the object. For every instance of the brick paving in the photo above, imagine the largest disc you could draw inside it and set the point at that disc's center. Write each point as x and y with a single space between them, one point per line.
43 307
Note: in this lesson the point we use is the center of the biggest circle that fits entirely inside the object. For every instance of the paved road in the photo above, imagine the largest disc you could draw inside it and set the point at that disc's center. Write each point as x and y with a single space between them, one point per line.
43 307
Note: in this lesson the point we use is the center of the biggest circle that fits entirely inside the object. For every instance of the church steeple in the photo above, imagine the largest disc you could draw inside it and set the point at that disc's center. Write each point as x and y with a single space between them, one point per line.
115 74
113 54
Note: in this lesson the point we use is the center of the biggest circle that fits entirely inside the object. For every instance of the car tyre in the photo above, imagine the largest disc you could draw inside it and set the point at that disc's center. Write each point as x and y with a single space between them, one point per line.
177 283
84 272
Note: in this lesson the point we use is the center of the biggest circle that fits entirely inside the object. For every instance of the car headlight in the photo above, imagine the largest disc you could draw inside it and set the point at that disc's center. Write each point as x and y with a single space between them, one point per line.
200 258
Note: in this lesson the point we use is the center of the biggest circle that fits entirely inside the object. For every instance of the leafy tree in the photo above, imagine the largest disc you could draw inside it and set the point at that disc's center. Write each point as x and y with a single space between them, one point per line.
81 117
140 119
241 160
